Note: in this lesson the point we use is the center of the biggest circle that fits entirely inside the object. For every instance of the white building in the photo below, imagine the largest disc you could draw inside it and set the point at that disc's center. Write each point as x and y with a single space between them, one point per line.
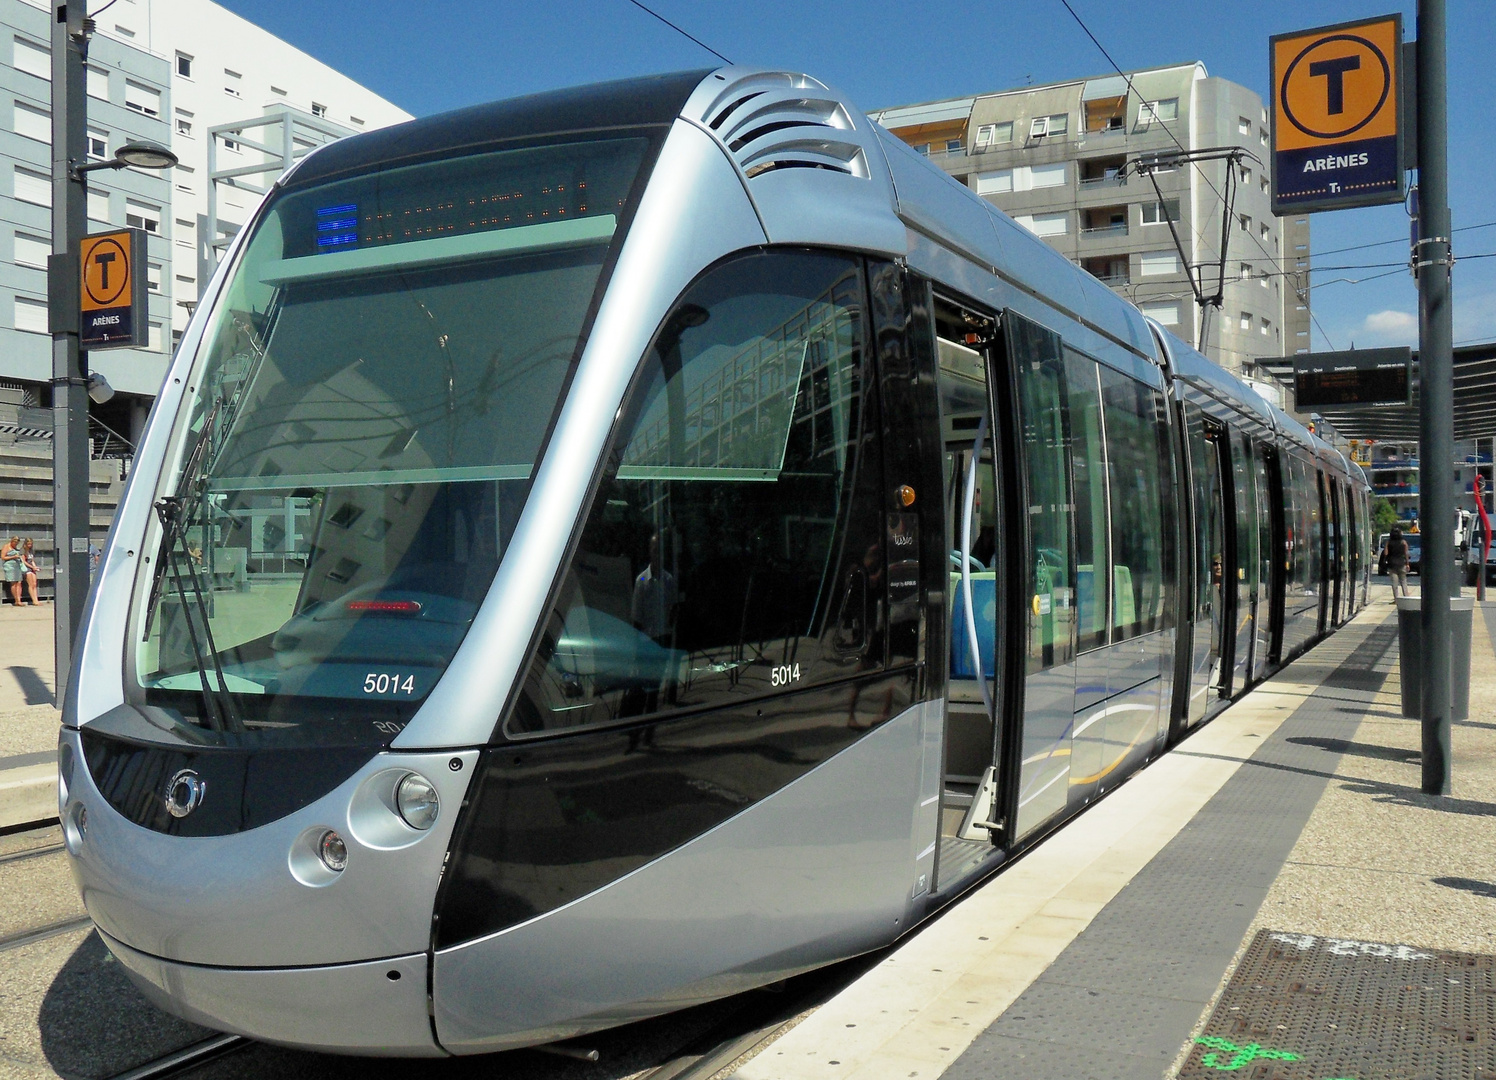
1062 159
169 70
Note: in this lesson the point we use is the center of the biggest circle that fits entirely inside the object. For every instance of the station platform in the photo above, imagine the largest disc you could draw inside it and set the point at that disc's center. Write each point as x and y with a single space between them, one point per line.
1274 899
28 716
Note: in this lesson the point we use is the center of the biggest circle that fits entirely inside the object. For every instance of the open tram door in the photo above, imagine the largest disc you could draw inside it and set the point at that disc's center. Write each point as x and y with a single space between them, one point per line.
968 351
1006 451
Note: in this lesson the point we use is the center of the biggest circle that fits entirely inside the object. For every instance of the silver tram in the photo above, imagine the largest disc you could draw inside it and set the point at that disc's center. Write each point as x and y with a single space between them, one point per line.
606 550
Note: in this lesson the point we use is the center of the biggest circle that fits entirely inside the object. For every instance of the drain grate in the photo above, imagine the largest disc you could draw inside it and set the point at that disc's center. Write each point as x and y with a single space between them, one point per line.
1315 1008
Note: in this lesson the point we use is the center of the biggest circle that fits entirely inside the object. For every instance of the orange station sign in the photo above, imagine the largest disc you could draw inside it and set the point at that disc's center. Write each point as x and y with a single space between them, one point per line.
113 290
1337 109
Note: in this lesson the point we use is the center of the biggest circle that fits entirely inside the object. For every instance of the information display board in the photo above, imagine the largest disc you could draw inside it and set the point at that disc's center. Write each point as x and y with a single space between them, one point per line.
1337 132
1357 377
114 290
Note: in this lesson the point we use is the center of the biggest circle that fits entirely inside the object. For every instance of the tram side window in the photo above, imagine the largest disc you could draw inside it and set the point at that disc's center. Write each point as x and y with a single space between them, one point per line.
1037 360
1088 471
733 548
1138 473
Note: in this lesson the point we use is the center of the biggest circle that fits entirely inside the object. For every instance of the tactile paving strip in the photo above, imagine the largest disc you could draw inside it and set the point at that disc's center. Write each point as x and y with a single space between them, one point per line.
1316 1008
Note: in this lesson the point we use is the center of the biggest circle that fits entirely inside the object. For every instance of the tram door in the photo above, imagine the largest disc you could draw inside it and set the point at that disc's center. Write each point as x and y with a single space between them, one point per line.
1244 563
974 539
1269 611
1209 600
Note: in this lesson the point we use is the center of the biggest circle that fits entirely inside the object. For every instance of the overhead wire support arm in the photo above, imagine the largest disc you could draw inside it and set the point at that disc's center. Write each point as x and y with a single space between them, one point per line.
1232 155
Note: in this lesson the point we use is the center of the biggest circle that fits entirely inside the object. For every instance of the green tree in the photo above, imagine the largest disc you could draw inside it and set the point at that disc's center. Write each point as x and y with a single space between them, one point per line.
1383 516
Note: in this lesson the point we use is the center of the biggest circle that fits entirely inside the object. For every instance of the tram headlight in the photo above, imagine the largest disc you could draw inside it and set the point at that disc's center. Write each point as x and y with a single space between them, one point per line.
332 849
417 801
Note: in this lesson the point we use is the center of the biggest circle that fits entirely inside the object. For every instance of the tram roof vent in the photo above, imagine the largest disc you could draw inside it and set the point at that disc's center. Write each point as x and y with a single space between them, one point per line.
775 120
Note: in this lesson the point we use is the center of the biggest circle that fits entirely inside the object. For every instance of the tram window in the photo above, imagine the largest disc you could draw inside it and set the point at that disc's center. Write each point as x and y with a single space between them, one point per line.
1036 358
1088 470
1138 475
733 547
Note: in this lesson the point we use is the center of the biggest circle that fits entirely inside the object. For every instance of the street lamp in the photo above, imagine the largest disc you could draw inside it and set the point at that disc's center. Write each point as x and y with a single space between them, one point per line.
140 154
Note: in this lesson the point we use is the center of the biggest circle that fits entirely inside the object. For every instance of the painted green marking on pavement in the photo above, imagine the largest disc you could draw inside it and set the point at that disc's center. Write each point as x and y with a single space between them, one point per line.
1244 1055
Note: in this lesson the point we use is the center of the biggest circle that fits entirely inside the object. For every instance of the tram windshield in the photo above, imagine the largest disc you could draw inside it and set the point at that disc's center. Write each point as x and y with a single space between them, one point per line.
365 413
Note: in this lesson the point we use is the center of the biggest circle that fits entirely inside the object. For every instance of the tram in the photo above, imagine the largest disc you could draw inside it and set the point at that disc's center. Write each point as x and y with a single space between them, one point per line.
607 550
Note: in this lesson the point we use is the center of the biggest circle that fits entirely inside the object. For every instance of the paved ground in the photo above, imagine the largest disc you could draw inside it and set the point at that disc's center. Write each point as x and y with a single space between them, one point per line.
1100 955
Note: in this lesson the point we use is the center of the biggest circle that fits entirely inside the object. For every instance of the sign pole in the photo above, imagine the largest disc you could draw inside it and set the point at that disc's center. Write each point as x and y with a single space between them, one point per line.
70 524
1436 370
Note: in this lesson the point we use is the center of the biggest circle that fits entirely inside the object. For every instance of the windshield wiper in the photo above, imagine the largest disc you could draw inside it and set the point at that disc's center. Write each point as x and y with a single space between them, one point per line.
177 513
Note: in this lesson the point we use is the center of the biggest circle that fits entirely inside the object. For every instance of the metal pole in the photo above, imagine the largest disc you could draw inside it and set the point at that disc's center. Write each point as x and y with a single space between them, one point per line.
1436 373
69 364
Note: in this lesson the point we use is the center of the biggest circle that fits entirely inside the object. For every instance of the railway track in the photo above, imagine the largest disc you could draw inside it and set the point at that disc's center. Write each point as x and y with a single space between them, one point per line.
752 1020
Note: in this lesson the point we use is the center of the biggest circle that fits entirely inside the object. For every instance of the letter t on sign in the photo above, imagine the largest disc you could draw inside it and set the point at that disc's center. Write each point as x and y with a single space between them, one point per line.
104 258
1333 72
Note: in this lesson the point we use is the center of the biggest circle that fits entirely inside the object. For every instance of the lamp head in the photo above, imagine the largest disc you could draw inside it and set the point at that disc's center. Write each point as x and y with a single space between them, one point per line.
143 154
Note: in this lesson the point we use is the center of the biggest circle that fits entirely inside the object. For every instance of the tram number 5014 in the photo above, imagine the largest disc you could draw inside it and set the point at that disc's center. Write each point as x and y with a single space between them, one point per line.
385 683
784 674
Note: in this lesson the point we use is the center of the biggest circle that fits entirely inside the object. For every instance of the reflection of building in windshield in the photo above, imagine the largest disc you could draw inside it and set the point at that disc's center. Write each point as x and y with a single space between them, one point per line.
737 420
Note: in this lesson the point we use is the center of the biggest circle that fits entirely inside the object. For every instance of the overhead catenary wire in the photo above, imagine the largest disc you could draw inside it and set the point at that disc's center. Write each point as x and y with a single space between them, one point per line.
1300 293
677 29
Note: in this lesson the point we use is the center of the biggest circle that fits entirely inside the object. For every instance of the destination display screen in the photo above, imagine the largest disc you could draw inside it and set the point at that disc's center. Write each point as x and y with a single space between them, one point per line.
1359 377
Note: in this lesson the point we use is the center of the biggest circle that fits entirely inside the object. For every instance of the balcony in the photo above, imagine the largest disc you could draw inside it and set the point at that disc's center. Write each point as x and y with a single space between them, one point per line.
1106 172
1104 221
1108 270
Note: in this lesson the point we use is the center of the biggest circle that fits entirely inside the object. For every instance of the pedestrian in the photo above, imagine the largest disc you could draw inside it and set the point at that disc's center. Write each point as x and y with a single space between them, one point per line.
29 568
1397 563
10 562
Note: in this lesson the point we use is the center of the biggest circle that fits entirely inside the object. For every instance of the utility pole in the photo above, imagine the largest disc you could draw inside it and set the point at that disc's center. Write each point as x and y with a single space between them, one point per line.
1436 374
69 364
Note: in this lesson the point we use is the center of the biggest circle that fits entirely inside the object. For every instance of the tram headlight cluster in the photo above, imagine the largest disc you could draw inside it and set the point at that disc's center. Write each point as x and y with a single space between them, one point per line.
417 801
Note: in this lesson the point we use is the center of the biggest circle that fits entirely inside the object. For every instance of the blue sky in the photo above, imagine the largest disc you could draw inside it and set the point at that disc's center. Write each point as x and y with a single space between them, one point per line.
436 55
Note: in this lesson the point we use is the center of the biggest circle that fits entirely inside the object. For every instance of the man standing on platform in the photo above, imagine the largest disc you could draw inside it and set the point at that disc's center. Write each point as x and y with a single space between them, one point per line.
1397 563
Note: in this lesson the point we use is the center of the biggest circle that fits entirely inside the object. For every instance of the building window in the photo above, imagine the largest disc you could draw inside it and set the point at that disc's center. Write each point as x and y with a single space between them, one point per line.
1265 230
31 315
1167 314
952 146
32 250
32 59
1243 125
153 277
97 80
98 205
997 182
123 31
1051 224
1041 127
33 187
276 90
1246 320
1265 327
1156 212
1246 272
1263 277
1162 111
184 127
139 215
33 123
184 65
356 121
1262 136
1246 223
1158 263
153 337
922 148
232 91
319 109
142 99
1042 176
98 144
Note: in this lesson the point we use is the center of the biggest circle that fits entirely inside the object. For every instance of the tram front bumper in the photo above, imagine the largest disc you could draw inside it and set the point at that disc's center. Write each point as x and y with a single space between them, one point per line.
375 1008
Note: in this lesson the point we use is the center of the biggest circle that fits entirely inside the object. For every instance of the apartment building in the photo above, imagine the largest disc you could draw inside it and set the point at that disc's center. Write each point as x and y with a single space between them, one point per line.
1063 160
173 71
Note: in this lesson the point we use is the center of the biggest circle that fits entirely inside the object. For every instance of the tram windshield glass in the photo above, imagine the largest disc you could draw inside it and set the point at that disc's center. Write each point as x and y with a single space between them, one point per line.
365 413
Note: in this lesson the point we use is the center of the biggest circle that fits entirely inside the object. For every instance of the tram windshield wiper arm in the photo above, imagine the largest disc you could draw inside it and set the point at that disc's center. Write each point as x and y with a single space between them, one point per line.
176 513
